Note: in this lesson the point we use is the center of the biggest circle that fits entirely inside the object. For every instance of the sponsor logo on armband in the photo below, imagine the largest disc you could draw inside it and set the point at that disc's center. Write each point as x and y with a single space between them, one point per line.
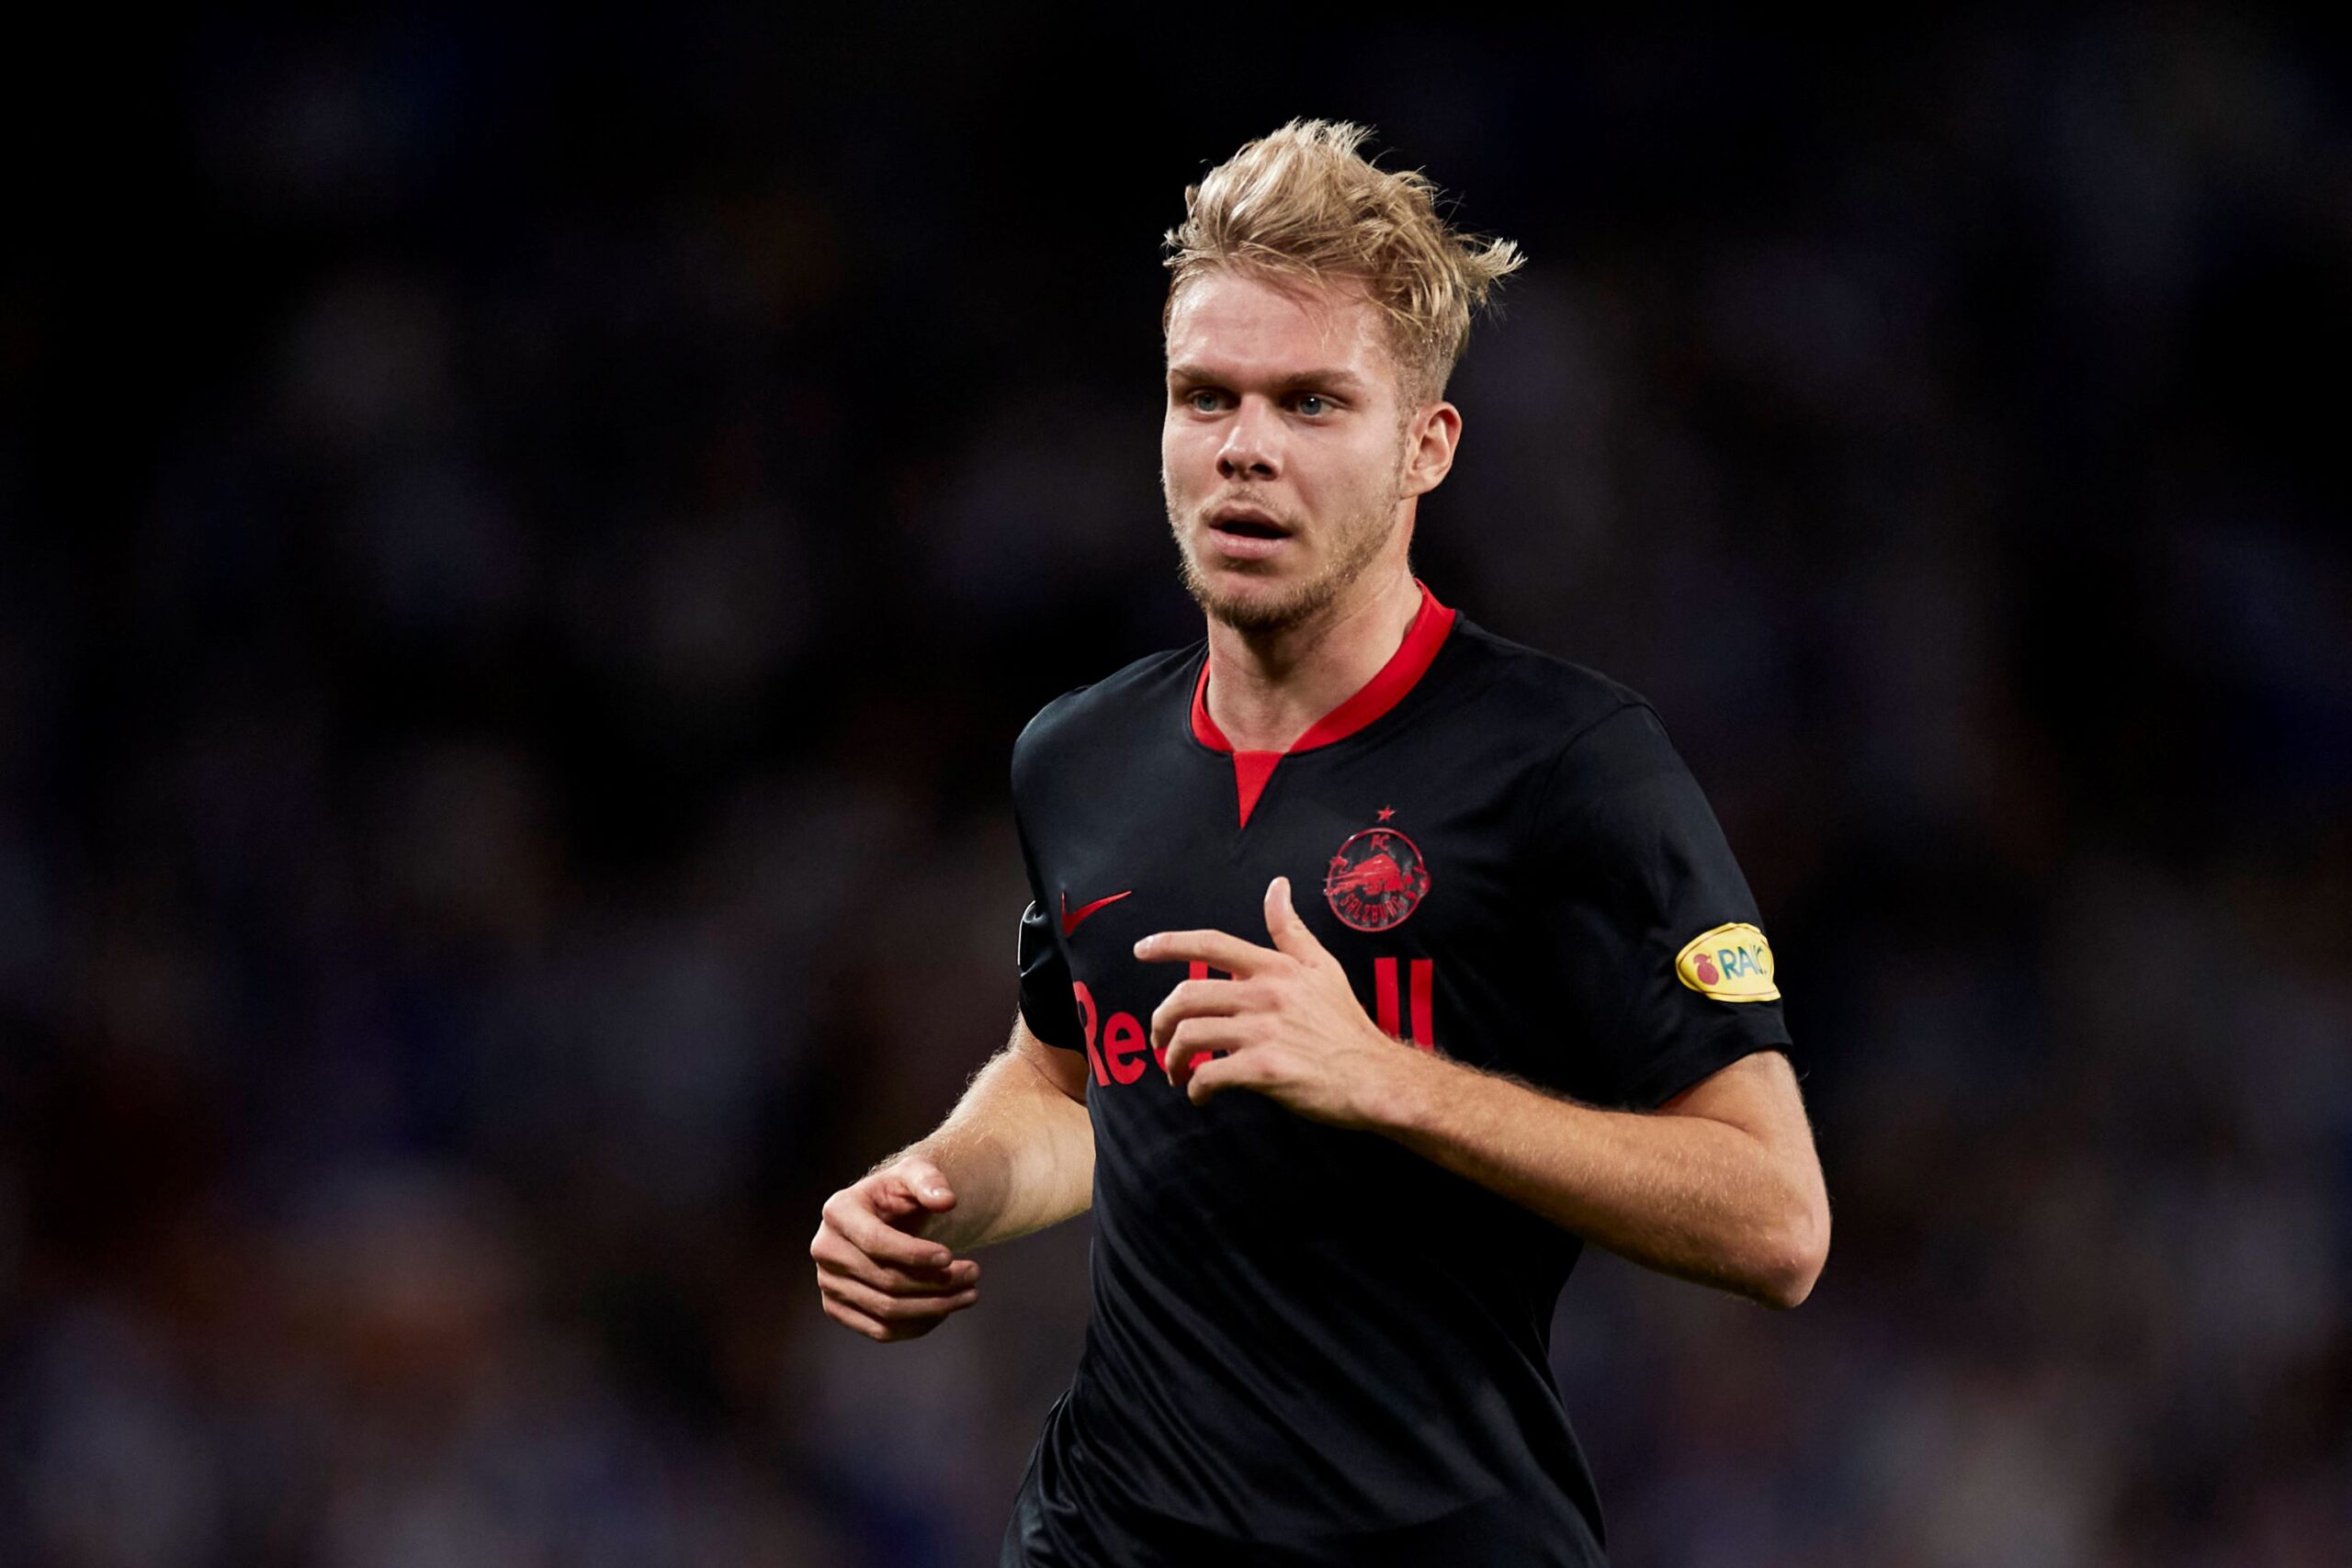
1731 963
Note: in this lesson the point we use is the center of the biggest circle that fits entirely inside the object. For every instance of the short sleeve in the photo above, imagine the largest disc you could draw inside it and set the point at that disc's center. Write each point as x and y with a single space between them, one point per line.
1646 915
1047 1002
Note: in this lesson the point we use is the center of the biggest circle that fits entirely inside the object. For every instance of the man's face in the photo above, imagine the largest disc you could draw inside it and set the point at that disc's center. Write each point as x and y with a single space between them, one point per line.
1282 455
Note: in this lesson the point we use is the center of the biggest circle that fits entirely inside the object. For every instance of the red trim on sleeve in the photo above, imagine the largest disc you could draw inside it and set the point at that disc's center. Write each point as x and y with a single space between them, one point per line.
1253 769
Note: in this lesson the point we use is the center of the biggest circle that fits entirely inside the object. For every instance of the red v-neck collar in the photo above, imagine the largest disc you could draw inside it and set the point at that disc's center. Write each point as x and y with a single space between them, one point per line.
1375 698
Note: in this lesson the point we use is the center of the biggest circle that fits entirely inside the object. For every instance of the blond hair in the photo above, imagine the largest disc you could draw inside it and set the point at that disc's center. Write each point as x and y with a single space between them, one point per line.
1304 205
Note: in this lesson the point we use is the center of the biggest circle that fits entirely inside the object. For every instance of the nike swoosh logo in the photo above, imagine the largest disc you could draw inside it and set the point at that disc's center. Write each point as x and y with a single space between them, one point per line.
1071 918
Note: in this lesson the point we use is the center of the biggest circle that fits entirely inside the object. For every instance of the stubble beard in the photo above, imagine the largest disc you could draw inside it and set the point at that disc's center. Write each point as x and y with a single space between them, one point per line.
1360 538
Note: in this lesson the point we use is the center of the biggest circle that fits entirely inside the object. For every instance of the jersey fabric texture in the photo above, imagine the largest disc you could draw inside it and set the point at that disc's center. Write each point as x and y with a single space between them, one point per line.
1309 1345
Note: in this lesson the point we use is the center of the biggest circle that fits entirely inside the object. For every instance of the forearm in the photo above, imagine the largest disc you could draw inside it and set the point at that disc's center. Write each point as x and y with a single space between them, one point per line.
1018 1152
1687 1195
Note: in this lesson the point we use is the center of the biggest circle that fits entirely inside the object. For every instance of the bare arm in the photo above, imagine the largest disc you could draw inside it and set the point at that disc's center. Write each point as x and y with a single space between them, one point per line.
1016 1154
1721 1185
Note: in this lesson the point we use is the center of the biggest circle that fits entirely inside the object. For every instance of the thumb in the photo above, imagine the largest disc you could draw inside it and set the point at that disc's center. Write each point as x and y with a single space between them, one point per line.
930 1188
1290 933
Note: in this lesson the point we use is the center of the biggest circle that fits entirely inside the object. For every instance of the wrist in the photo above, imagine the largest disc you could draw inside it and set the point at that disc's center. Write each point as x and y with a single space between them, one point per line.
1402 1089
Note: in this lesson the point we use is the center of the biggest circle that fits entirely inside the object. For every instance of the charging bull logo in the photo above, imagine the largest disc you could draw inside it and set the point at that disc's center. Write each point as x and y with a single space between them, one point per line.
1376 880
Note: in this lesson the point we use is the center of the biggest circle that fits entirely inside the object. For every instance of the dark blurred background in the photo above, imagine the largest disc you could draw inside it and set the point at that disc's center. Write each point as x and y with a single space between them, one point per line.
524 543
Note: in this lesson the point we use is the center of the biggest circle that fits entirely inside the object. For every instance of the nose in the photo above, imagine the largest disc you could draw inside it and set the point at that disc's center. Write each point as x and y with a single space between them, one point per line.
1252 443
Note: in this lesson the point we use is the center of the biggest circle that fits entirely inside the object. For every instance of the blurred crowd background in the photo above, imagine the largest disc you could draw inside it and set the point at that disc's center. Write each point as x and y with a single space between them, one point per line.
525 541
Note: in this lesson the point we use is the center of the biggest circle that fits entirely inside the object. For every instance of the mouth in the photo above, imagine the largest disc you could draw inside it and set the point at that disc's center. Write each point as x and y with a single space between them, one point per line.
1247 531
1249 528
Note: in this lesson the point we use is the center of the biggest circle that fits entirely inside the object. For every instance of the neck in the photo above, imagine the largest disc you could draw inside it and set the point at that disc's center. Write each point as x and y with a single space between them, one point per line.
1266 689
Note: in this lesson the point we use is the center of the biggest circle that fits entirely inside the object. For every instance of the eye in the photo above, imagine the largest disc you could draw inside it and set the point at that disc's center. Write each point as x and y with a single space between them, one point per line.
1205 400
1311 405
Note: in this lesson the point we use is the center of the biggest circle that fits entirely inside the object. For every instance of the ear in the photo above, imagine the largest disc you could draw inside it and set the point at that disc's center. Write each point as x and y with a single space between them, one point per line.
1430 440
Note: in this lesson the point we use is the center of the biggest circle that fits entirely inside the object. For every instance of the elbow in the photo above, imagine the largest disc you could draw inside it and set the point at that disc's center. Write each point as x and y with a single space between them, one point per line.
1793 1262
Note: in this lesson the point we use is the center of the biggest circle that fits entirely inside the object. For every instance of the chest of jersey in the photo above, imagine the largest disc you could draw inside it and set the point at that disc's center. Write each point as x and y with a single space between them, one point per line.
1404 868
1405 864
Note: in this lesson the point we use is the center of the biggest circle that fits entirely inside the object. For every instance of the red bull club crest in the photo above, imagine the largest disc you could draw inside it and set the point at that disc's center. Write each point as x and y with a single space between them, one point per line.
1376 879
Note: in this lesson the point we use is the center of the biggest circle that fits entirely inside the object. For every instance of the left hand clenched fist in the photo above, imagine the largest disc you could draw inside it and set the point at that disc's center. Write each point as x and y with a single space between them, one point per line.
1288 1018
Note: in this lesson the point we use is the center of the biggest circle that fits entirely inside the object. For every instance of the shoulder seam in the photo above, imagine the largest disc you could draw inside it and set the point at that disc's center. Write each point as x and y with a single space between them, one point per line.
1552 769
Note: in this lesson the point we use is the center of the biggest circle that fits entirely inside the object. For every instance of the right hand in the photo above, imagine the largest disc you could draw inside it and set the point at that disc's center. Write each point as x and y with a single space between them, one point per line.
875 1273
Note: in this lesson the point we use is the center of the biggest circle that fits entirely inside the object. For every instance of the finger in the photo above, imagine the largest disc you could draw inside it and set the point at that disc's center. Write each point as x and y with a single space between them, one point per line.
850 1317
866 1230
1197 1037
887 1308
1245 1070
1237 958
873 1329
928 1185
897 1194
1290 933
834 1255
1194 999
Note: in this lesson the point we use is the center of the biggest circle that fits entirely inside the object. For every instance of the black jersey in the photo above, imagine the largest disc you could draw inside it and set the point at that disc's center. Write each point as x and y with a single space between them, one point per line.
1310 1345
